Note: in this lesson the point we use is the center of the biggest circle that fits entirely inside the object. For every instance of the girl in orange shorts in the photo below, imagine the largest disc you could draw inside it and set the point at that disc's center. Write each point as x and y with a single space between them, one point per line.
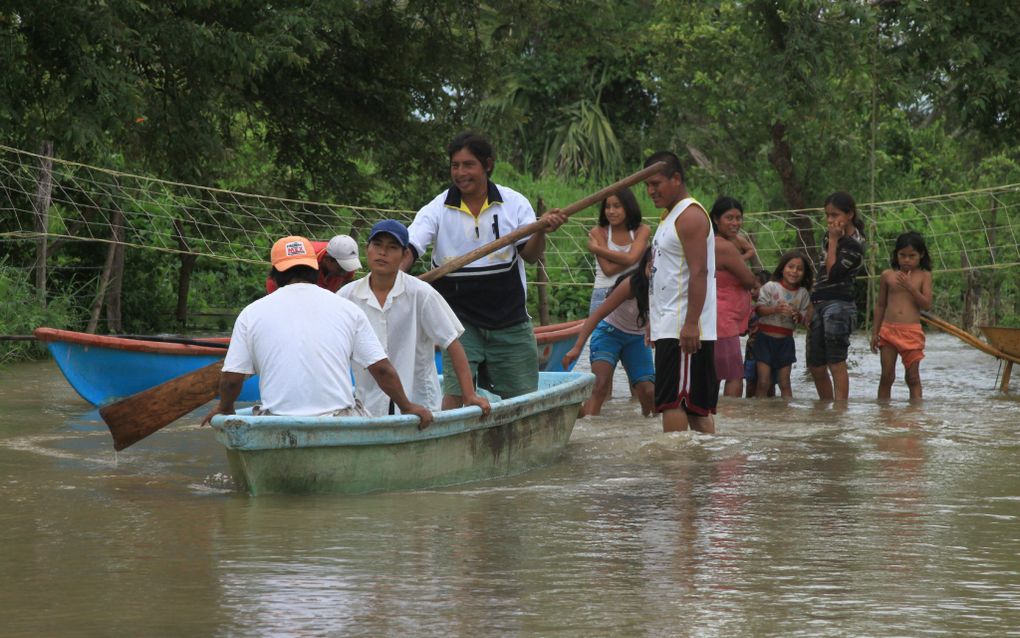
904 291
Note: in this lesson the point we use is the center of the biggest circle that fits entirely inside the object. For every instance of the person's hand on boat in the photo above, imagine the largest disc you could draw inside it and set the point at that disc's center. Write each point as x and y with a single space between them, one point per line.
420 411
477 399
571 357
217 410
553 220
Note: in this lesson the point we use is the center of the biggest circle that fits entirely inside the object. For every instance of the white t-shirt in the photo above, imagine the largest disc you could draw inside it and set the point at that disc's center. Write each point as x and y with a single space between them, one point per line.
772 294
301 341
413 321
669 285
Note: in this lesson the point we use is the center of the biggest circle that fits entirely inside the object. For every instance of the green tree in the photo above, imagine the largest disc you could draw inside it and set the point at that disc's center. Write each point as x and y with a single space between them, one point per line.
562 96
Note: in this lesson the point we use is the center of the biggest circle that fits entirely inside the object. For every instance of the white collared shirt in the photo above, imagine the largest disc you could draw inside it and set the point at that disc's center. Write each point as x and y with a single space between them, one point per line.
413 321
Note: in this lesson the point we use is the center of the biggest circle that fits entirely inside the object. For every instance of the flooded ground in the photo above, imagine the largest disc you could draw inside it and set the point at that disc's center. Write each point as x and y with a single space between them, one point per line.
796 519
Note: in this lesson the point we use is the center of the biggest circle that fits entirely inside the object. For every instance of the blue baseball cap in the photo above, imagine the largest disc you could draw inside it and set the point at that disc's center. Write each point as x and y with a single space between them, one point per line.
392 227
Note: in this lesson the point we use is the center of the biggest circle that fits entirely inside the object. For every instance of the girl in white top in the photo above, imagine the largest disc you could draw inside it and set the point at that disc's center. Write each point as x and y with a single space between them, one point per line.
783 304
617 243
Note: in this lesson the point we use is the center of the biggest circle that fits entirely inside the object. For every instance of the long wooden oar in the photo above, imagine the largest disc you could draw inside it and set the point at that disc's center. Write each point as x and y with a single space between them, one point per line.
139 415
967 338
185 341
132 419
532 228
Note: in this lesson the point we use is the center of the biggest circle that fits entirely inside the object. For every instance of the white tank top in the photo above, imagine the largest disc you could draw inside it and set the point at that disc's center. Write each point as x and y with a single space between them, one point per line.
670 281
601 279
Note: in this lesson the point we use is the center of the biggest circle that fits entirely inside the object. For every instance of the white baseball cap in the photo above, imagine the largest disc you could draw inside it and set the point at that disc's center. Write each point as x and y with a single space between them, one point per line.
344 250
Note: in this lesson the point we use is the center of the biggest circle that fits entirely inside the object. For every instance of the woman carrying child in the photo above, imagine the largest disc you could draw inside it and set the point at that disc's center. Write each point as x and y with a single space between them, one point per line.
733 282
618 242
903 292
783 304
835 313
617 329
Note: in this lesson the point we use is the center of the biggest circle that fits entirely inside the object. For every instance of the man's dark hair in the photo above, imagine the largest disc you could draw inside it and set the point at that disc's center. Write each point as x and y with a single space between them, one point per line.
673 165
294 274
477 145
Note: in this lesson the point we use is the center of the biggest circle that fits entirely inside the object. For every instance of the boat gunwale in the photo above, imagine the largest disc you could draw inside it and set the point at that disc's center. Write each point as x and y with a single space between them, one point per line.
55 335
395 429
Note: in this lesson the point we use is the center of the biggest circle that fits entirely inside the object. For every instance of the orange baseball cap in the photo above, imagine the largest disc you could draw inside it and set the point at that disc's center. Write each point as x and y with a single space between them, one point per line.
293 251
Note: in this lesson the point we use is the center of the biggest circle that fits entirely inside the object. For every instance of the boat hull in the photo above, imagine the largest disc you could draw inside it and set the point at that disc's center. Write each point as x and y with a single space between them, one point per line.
104 369
348 455
1005 339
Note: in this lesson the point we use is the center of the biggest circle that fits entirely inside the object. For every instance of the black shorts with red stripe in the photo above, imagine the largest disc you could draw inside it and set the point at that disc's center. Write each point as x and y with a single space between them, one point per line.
684 380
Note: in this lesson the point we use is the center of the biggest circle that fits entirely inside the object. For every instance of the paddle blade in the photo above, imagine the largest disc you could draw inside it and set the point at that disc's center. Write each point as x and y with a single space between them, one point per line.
132 419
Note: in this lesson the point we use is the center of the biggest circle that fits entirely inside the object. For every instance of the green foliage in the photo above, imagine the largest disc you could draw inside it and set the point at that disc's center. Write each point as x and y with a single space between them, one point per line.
776 102
21 311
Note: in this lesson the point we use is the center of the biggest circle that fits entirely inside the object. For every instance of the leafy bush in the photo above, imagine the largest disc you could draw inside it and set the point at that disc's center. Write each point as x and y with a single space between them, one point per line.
21 311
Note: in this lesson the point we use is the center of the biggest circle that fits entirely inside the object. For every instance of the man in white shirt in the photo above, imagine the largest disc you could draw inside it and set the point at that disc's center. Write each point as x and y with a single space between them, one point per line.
410 319
488 295
301 341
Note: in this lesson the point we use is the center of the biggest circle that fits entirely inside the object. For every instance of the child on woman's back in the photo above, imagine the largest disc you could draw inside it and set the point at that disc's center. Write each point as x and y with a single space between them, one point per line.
904 291
783 303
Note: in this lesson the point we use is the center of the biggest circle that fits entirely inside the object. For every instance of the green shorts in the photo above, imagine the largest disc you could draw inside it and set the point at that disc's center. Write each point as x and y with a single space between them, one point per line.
503 361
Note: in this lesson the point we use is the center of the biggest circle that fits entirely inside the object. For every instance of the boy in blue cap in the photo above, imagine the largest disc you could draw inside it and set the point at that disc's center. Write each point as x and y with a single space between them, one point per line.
410 319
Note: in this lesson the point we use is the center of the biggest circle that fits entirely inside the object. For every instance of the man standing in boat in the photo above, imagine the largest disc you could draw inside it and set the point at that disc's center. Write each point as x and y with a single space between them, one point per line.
337 262
488 295
410 319
681 300
301 341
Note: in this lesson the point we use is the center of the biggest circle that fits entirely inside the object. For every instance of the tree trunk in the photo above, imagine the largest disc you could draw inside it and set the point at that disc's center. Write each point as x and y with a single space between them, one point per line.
104 278
781 158
41 219
184 276
542 280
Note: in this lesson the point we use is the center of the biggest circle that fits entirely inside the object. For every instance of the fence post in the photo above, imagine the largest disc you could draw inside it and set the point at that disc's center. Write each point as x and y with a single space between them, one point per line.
542 280
41 219
108 268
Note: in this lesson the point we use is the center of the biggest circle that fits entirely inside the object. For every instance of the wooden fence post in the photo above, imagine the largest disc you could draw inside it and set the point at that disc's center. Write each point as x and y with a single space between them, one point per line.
41 220
542 280
107 275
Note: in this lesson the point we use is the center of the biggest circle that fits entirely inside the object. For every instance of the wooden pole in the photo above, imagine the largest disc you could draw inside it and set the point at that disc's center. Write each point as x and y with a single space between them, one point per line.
104 278
41 220
542 280
534 227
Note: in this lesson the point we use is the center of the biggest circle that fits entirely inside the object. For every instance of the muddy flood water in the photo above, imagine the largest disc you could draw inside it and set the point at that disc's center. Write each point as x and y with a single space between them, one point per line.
796 519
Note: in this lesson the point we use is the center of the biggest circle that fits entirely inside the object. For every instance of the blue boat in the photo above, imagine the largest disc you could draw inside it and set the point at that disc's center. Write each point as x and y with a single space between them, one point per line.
103 369
354 455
